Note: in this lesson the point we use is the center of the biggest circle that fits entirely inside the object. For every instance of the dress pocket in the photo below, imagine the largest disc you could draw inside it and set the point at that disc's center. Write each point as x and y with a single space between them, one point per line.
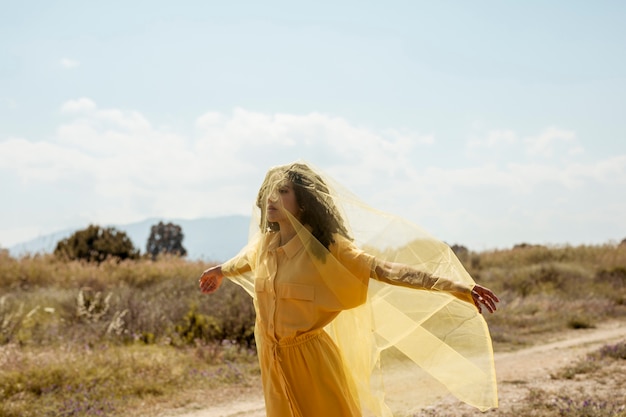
295 309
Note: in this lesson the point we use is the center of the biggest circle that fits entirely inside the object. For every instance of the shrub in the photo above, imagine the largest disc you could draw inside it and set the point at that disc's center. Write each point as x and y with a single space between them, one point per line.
592 361
11 318
96 244
616 351
580 322
616 277
198 327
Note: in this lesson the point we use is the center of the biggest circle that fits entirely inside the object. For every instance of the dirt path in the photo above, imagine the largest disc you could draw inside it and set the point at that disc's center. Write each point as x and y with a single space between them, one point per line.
515 371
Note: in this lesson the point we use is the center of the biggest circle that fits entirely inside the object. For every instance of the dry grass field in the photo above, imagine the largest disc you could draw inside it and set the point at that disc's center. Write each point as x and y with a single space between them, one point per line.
136 338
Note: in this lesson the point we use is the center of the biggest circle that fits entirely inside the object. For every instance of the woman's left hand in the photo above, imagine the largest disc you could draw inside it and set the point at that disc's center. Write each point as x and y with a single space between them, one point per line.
211 279
484 297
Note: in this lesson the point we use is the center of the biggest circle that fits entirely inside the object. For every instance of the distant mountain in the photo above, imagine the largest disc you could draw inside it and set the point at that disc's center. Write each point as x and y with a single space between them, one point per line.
209 239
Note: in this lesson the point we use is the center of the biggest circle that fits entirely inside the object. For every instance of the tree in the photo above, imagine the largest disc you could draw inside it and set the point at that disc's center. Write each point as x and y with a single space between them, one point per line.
96 244
166 239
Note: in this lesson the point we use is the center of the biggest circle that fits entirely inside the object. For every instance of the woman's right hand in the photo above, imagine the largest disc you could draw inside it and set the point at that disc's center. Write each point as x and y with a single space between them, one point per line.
211 279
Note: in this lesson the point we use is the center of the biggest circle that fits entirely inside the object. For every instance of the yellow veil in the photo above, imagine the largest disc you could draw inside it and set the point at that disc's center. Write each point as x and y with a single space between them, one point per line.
395 342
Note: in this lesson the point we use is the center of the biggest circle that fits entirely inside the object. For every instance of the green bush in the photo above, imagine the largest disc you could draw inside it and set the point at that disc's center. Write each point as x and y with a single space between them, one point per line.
96 244
196 326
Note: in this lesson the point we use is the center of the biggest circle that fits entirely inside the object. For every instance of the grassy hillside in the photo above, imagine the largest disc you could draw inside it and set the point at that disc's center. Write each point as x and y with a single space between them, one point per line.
85 339
547 289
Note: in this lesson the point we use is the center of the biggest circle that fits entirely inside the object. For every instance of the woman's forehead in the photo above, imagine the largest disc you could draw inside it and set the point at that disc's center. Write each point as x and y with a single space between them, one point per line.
283 184
279 180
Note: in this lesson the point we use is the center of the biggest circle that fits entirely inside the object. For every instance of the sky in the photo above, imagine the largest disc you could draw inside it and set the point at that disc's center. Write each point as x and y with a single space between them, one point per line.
487 123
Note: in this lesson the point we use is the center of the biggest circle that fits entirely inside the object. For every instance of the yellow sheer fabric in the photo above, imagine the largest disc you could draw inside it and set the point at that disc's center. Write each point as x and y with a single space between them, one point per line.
417 339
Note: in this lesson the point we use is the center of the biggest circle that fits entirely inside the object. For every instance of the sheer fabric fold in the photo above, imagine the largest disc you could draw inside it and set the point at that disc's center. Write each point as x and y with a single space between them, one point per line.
395 342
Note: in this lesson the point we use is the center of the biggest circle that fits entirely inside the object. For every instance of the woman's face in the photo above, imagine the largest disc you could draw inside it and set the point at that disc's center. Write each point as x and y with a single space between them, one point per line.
282 200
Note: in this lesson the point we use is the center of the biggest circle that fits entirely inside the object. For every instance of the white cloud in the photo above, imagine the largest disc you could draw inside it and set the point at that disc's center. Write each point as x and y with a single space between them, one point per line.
611 170
127 168
409 137
576 150
246 139
545 143
525 177
122 167
493 139
68 63
118 148
40 161
79 105
209 119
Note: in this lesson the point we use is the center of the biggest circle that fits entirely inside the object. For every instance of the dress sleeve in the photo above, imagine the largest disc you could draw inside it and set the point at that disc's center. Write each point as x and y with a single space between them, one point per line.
240 269
245 261
358 262
238 265
406 276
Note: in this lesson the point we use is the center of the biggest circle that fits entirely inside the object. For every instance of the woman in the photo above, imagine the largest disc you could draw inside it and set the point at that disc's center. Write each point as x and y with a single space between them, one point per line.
303 270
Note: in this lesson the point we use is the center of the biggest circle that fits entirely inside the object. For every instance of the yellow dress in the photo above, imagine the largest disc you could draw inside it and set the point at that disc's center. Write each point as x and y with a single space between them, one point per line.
301 367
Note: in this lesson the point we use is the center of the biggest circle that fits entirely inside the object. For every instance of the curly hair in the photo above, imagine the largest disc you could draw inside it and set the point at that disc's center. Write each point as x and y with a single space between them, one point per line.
312 195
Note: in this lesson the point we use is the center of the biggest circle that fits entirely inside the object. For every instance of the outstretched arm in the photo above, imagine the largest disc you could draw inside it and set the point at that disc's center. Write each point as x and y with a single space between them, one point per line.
211 279
406 276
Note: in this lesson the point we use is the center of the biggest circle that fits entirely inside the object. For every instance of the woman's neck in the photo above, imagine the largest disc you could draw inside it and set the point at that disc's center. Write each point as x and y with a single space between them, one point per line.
287 232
